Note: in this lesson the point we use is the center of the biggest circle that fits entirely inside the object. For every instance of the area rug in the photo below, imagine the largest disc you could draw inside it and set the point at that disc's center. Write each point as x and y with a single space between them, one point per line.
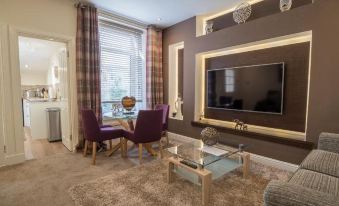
146 185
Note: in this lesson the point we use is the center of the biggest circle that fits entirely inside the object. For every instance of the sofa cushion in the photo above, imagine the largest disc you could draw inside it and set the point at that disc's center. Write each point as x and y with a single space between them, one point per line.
317 181
323 162
289 194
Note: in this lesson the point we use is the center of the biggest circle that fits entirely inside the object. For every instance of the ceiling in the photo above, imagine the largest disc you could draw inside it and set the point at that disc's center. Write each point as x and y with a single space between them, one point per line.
169 12
35 54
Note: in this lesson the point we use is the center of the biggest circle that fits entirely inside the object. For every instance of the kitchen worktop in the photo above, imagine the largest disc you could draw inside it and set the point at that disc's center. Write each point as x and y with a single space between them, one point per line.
37 99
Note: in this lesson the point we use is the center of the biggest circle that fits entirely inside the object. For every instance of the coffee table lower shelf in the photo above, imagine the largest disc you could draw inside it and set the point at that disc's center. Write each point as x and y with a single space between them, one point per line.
204 176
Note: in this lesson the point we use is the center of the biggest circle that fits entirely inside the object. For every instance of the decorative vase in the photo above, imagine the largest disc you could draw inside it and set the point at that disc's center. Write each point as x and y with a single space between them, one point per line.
128 103
285 5
116 109
209 136
242 12
209 27
178 105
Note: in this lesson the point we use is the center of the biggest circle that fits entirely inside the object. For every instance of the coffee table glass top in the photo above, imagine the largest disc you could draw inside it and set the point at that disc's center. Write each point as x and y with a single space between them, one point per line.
202 155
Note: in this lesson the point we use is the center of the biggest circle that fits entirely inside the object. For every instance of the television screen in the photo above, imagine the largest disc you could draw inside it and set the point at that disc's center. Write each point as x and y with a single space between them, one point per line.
257 88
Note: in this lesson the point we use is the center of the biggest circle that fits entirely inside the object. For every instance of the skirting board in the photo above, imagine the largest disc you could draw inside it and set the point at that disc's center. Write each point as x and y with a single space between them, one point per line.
14 159
256 158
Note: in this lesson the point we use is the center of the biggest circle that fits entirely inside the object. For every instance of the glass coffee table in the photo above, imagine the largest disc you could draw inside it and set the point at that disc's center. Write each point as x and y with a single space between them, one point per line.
201 164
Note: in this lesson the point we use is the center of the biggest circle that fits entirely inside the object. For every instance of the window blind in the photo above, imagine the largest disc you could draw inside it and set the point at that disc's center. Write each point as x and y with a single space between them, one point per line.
121 63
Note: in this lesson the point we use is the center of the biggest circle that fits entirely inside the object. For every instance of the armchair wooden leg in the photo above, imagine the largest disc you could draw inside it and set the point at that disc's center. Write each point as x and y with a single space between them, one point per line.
94 153
161 151
122 146
110 144
140 153
125 147
85 148
167 140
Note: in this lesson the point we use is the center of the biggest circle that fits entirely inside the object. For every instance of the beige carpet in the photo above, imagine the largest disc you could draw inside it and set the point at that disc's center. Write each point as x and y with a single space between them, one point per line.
146 185
45 181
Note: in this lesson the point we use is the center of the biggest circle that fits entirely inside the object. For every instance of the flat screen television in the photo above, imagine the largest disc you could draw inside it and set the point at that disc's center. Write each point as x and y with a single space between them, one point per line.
255 88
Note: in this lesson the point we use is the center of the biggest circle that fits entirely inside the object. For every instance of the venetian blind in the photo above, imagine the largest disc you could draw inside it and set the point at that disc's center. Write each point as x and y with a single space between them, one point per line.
121 62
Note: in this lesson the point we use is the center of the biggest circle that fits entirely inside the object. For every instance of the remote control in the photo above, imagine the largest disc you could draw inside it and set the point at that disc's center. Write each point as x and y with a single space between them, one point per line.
189 164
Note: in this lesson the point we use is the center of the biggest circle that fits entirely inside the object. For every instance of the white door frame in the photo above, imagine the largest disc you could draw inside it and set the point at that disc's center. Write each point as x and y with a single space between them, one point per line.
14 34
13 142
2 134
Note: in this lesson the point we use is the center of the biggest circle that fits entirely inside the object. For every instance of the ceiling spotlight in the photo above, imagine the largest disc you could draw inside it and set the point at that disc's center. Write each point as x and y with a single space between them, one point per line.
159 19
27 66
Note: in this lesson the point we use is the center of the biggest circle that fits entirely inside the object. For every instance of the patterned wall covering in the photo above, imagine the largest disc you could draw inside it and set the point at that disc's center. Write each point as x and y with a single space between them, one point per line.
154 73
87 63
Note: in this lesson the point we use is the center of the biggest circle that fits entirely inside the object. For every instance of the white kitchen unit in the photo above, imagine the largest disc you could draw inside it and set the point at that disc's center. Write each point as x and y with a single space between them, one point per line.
35 116
27 118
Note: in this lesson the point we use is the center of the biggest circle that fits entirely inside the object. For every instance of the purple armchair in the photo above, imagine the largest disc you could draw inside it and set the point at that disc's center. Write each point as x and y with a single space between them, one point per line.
165 109
148 130
94 133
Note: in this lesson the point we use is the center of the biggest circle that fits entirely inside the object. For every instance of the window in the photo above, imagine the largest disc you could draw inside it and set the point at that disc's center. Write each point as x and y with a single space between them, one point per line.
229 80
122 63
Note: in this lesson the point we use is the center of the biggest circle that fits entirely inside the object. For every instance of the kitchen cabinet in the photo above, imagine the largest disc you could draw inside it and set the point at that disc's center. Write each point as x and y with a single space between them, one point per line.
35 116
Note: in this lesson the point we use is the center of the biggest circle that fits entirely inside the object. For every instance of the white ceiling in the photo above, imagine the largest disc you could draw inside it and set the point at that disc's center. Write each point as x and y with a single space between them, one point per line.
170 11
35 54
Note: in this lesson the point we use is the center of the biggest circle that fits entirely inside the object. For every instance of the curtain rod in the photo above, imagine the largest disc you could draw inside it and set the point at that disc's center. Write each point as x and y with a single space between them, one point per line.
115 16
81 4
154 27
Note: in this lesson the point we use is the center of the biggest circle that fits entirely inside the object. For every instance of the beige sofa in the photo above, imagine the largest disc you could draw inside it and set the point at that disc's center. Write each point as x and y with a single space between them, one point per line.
315 183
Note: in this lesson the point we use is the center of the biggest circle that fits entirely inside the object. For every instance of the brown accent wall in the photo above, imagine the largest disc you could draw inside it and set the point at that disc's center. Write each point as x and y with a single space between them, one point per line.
320 17
259 10
296 59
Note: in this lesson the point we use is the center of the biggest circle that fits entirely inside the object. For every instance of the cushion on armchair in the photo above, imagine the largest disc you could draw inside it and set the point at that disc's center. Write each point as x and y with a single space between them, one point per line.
108 133
288 194
317 181
323 162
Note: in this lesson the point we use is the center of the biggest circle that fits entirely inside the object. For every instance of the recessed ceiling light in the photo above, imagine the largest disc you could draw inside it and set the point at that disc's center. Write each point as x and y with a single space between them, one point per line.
51 39
27 66
159 19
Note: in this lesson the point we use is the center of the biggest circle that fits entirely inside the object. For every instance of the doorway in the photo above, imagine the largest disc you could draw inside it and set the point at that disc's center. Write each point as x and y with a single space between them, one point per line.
2 135
44 96
2 132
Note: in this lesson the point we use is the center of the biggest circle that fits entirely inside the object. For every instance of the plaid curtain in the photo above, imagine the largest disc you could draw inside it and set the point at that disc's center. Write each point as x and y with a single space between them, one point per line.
154 74
87 63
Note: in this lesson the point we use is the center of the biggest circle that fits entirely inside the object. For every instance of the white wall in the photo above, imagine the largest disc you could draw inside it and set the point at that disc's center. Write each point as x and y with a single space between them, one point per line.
54 17
33 77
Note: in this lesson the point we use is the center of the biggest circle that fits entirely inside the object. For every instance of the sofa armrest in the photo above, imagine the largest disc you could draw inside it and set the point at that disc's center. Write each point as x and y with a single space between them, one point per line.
329 142
289 194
